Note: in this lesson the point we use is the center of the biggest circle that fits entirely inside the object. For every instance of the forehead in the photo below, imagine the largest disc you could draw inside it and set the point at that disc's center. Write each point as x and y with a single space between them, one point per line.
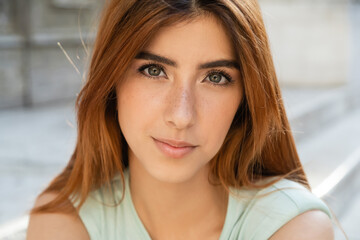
202 37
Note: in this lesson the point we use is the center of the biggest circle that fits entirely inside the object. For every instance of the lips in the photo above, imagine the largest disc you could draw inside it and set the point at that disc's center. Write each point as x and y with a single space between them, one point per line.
174 149
175 143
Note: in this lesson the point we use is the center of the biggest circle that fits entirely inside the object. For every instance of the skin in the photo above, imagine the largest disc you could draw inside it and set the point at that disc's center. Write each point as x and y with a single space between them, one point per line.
173 196
181 103
309 225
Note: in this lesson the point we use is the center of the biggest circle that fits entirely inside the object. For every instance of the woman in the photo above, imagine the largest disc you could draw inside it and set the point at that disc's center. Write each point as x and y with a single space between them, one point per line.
182 133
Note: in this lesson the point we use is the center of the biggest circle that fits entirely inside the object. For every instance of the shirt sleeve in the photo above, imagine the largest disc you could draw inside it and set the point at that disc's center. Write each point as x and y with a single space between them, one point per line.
285 200
91 214
102 214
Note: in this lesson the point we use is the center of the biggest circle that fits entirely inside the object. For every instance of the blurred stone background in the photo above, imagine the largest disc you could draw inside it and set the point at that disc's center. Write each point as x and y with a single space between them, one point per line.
316 49
33 71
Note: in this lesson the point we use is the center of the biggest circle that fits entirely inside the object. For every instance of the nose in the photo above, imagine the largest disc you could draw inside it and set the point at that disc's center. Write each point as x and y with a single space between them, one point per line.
180 111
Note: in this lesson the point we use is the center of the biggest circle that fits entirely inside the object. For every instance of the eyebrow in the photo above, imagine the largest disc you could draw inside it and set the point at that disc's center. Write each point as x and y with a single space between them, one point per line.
218 63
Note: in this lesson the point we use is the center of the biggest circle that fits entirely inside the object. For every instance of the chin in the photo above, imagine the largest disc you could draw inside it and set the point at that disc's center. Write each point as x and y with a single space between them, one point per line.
167 170
172 178
174 174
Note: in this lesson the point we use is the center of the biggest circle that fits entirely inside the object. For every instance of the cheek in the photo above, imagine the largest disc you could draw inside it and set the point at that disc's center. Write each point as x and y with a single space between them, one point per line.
217 118
137 106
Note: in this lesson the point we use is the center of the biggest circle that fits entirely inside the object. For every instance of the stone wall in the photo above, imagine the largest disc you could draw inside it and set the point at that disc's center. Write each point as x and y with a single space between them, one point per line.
309 38
310 41
33 67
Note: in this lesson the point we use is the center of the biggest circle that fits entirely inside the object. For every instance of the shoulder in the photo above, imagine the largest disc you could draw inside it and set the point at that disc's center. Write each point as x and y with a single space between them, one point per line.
55 225
273 207
313 224
102 208
289 198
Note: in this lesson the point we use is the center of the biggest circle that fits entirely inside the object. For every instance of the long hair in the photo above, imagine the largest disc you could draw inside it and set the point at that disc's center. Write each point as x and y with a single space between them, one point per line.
259 142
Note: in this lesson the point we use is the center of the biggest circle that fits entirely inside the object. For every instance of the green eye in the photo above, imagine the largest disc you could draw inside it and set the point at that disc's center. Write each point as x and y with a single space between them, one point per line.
216 78
219 78
154 71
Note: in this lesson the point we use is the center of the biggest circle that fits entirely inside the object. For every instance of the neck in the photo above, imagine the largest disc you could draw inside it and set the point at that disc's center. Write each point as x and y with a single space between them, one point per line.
183 210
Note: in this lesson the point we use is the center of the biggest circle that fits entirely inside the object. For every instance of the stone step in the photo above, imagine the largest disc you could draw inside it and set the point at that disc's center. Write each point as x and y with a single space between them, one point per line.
46 139
310 110
331 160
323 153
350 219
14 230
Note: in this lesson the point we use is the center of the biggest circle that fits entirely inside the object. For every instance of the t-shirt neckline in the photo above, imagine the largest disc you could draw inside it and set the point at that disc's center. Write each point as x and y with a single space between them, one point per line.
139 223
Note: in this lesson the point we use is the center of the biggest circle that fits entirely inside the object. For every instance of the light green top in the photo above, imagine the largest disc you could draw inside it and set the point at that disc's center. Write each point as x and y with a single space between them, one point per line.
247 218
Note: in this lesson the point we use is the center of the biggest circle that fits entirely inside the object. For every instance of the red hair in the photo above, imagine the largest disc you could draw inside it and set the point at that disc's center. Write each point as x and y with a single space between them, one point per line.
259 142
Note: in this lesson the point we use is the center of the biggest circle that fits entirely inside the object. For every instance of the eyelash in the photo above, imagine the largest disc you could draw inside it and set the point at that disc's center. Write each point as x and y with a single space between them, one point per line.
214 71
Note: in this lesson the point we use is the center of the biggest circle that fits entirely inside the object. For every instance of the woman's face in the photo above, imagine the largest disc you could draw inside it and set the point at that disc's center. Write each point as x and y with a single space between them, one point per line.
183 86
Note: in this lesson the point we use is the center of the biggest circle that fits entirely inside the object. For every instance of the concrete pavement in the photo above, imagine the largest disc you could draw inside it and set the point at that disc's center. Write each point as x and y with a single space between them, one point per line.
35 144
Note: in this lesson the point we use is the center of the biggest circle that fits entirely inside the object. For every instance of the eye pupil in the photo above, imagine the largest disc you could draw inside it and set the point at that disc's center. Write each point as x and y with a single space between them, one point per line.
215 78
154 71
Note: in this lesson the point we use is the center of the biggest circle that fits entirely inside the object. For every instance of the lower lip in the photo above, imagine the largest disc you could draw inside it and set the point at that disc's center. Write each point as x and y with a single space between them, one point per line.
173 152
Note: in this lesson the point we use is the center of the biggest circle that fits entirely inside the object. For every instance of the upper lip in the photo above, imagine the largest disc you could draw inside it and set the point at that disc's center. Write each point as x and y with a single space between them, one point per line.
175 143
